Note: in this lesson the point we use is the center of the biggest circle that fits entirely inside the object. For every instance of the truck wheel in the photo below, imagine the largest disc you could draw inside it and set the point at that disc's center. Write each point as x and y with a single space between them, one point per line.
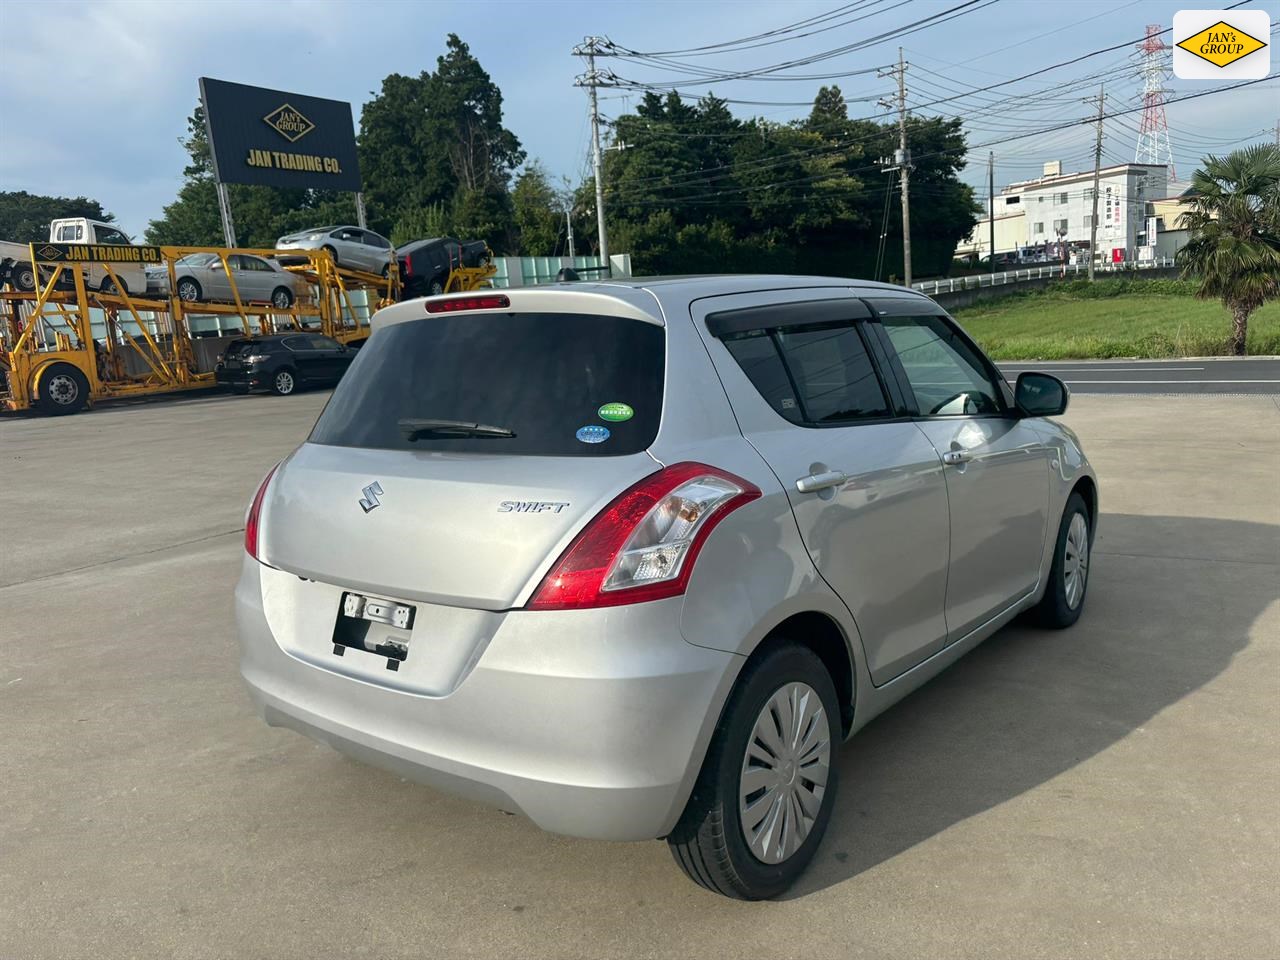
22 277
60 389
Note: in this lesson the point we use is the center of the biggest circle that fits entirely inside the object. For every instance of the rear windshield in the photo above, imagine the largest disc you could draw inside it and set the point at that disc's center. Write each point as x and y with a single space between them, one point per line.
567 385
242 348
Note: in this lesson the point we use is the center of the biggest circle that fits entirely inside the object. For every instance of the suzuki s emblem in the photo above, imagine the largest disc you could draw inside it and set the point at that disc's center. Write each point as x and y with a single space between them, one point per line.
370 498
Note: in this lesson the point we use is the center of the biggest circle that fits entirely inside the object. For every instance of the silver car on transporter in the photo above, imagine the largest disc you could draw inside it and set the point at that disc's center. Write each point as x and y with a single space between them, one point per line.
632 558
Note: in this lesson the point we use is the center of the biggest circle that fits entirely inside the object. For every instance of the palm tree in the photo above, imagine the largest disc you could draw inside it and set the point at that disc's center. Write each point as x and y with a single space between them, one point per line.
1234 224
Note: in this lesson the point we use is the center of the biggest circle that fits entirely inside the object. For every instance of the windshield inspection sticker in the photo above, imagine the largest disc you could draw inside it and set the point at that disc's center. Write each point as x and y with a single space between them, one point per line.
592 433
615 412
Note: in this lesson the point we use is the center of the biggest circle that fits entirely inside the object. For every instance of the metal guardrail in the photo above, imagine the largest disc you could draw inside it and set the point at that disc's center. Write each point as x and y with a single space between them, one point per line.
975 280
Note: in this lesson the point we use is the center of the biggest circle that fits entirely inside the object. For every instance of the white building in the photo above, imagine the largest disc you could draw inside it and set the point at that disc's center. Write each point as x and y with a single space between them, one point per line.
1034 217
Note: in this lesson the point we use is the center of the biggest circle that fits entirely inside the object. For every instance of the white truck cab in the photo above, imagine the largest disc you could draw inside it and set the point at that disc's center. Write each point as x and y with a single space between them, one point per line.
15 265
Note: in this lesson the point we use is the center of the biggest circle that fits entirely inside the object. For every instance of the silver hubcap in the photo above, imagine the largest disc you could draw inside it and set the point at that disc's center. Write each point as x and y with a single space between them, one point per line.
186 291
1075 563
282 299
62 389
284 382
784 773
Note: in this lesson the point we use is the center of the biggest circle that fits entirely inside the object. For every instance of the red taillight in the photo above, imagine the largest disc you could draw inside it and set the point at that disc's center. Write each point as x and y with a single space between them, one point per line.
255 511
644 544
454 304
408 267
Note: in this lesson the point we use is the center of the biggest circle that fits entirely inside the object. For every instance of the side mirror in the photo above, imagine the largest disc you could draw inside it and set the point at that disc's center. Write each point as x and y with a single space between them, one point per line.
217 265
1040 395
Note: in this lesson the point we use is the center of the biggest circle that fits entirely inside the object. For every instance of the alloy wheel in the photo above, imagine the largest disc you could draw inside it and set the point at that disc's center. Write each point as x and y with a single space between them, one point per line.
284 382
784 772
280 300
1075 562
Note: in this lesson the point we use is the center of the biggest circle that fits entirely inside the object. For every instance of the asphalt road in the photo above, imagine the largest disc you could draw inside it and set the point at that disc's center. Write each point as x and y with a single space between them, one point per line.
1215 375
1105 792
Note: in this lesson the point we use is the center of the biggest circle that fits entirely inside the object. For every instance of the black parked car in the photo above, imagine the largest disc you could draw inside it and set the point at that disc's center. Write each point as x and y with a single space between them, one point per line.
425 264
283 362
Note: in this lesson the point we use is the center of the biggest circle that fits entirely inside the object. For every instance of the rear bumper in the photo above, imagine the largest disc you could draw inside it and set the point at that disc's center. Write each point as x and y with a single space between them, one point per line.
590 723
239 378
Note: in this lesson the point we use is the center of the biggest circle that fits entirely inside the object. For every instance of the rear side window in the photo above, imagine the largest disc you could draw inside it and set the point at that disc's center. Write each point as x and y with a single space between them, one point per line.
815 374
243 348
567 385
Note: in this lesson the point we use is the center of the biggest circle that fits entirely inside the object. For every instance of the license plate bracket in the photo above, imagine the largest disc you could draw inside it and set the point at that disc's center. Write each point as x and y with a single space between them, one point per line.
362 624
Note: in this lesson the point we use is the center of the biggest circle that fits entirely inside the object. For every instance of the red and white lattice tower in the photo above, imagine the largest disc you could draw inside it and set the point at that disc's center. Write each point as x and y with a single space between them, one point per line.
1153 135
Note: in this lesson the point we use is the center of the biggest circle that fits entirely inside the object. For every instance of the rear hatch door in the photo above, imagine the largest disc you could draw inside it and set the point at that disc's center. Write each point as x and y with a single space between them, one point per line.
397 494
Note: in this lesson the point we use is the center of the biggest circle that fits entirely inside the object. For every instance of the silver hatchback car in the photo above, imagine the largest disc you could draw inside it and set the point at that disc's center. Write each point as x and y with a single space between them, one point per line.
633 558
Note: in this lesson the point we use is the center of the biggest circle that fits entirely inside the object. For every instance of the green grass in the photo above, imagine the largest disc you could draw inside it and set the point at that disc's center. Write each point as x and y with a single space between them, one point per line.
1112 318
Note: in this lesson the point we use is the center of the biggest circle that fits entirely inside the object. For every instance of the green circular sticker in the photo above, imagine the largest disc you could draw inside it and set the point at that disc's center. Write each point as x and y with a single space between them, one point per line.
616 412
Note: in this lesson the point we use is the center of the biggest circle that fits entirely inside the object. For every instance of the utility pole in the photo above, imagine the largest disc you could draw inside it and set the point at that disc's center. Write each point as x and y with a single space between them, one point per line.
1097 167
589 48
991 206
568 222
901 160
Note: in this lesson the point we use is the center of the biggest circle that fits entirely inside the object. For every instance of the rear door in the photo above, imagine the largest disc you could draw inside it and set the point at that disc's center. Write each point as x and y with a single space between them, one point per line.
306 359
997 465
865 485
467 520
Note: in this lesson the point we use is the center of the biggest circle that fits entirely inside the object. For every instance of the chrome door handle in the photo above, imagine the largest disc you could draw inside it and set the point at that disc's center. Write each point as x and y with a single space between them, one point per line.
820 481
954 457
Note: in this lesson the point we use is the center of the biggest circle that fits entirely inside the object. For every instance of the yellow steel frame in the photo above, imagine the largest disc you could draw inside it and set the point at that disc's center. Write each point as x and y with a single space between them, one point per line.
168 355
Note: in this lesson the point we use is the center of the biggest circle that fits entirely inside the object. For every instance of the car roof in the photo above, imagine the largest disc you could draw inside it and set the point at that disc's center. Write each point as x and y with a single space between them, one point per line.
716 284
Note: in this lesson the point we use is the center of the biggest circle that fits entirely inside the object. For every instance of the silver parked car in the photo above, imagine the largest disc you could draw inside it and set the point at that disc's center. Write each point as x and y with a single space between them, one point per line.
350 247
633 558
202 276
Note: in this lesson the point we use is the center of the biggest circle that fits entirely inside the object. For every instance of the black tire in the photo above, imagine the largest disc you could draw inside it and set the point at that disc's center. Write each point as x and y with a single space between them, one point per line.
189 290
60 389
22 276
284 381
709 842
333 254
282 298
436 288
109 286
1055 609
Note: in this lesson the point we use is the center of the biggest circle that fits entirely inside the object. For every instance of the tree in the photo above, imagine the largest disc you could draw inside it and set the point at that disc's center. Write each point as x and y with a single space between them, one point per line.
24 217
1234 225
537 212
438 138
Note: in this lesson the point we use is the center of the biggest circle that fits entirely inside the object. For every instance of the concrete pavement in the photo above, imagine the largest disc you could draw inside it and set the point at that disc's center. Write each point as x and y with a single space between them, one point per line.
1109 791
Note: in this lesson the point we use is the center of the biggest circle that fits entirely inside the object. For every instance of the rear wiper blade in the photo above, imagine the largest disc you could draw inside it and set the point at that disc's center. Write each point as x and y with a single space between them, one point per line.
414 429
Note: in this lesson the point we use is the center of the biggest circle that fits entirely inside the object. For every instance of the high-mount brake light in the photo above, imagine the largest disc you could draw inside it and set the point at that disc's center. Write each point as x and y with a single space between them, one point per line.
251 526
644 544
495 301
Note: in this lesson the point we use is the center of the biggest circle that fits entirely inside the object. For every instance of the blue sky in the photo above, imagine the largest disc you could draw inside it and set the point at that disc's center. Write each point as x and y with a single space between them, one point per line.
97 94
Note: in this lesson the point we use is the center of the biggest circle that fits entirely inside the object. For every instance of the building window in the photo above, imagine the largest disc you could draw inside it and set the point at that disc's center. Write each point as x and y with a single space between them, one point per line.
1012 200
1039 228
1059 226
1059 199
1040 199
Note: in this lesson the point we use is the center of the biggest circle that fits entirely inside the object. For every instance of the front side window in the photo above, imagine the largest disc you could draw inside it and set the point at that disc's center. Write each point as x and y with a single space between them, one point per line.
108 235
813 374
947 376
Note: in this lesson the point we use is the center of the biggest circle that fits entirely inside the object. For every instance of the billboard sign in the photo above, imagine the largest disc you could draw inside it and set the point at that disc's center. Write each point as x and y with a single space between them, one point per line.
276 139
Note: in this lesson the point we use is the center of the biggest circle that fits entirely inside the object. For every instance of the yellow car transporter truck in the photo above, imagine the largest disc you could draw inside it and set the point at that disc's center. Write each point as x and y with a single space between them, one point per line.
64 345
